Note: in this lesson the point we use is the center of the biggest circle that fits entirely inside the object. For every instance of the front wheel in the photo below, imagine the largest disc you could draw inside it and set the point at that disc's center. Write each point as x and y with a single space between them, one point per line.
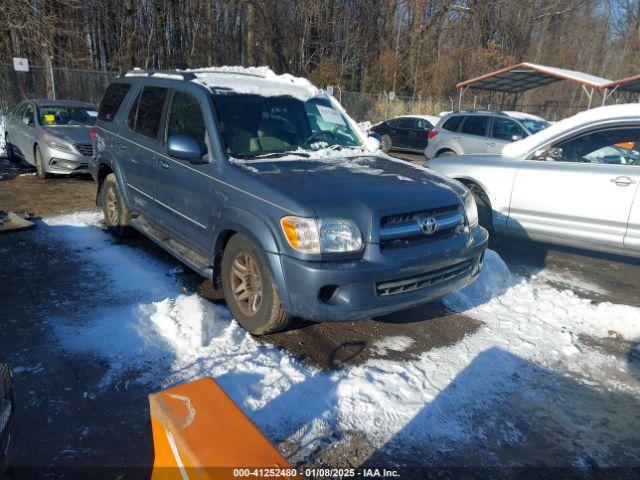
385 143
446 153
485 212
249 290
42 173
116 213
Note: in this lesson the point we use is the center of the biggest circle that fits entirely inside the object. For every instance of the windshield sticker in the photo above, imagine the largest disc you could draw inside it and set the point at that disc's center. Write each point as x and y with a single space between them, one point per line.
92 113
49 118
331 115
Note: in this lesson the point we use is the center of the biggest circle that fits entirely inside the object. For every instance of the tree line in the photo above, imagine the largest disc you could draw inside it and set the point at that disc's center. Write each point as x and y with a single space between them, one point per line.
408 46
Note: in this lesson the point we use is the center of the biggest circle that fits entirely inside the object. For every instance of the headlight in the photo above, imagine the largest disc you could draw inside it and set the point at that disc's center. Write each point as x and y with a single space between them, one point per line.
470 209
56 143
322 235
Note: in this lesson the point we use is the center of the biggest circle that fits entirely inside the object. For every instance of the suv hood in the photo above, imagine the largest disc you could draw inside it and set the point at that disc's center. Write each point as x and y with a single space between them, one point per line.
71 133
357 187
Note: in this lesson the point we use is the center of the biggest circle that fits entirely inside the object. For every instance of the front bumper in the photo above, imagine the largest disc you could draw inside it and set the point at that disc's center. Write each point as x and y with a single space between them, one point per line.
63 162
382 281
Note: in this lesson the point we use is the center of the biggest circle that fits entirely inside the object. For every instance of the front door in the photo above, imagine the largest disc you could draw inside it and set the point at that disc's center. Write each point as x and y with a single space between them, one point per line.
184 189
503 131
579 190
138 149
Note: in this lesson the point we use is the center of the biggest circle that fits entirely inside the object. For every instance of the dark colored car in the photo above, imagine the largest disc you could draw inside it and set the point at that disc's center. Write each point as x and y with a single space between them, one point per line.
266 187
408 133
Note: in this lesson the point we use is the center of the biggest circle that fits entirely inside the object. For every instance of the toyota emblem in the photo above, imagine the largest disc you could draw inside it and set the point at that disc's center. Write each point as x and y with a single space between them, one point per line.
428 225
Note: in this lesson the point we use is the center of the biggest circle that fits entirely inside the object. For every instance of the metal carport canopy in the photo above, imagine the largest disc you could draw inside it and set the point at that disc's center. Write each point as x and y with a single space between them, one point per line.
629 84
525 76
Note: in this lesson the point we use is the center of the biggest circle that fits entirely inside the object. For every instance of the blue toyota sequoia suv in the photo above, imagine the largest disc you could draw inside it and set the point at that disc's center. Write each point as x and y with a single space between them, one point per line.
267 188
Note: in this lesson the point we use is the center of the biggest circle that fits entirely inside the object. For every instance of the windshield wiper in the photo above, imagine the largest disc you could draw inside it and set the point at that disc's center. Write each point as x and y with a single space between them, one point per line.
273 155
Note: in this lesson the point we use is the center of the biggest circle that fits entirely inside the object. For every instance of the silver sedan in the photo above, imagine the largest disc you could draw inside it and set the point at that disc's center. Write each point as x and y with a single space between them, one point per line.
52 135
575 183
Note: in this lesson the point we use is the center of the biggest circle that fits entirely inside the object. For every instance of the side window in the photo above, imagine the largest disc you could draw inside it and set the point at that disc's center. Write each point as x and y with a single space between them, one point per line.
149 112
133 111
611 146
29 113
453 123
405 123
423 124
394 123
475 125
185 118
112 100
505 129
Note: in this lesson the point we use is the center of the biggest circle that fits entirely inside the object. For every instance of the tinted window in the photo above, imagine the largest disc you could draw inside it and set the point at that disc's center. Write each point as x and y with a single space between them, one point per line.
452 123
149 113
112 100
423 124
406 123
613 146
185 118
394 123
504 129
475 125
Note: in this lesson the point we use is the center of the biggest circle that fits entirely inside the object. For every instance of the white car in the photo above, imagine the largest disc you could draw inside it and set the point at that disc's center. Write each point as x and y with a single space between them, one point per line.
574 183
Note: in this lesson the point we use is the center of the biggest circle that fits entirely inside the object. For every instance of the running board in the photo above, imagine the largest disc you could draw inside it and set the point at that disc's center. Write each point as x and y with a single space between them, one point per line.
160 237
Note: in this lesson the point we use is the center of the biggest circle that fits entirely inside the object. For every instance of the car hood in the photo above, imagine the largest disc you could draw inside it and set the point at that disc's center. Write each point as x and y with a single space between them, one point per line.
357 187
70 133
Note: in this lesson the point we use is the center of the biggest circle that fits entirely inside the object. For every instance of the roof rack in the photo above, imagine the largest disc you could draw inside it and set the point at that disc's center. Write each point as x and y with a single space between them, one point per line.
226 72
139 72
480 110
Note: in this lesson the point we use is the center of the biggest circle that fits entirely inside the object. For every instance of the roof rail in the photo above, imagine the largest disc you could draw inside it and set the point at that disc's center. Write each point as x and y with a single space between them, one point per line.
139 72
480 110
226 72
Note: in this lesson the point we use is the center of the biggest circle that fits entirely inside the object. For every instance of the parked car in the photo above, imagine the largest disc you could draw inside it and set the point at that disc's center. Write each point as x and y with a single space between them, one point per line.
575 183
265 186
407 133
480 131
52 135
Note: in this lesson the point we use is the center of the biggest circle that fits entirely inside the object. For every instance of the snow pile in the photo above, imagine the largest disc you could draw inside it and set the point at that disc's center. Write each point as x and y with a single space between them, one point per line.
3 149
166 337
524 146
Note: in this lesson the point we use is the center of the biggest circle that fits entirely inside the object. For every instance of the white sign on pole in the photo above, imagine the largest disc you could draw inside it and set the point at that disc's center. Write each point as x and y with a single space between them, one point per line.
392 95
20 64
330 89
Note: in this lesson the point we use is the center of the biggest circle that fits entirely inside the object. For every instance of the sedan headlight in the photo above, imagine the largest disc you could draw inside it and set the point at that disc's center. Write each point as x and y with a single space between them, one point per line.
470 209
56 143
321 235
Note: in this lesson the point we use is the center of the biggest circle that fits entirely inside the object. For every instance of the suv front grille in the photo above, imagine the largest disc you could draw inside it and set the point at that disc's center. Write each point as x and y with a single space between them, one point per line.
404 229
85 149
428 279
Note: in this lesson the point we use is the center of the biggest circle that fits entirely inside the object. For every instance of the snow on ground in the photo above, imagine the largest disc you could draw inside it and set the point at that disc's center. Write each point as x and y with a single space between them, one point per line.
162 336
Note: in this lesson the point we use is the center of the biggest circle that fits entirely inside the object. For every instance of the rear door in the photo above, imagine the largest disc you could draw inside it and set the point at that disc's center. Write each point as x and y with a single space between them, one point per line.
580 190
183 189
139 144
502 132
402 133
472 136
419 133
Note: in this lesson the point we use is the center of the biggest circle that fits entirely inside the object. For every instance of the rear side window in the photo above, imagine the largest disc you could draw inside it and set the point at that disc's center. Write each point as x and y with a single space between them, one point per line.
112 100
405 123
452 123
148 111
504 129
475 125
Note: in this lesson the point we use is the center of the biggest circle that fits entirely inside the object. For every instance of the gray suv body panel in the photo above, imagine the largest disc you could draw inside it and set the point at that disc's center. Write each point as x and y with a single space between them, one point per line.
201 203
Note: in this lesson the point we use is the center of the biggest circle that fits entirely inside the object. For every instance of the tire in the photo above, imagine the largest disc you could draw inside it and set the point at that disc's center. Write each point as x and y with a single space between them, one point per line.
116 213
209 292
446 153
42 173
485 212
8 147
259 316
385 143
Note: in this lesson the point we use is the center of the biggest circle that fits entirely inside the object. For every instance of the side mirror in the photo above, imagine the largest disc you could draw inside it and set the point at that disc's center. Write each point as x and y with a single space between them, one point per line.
515 138
184 147
27 120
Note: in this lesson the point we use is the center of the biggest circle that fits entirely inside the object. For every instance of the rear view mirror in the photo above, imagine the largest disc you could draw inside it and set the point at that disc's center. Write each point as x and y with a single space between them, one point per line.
184 147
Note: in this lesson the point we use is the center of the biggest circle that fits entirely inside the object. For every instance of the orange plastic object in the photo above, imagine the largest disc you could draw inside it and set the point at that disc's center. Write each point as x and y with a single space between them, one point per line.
200 433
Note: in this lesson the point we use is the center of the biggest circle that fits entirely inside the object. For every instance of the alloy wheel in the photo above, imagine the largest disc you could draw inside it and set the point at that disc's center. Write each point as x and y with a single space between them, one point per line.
246 283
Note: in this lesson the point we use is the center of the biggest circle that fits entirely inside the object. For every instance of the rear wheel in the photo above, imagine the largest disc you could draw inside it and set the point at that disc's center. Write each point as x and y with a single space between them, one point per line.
249 290
42 173
116 213
385 143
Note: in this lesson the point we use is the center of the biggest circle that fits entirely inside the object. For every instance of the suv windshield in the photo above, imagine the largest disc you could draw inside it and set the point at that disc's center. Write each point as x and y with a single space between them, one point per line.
254 126
52 115
534 126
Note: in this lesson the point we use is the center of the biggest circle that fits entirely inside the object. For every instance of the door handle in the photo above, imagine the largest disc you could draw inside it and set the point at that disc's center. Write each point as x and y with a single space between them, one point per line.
163 164
623 181
457 138
491 144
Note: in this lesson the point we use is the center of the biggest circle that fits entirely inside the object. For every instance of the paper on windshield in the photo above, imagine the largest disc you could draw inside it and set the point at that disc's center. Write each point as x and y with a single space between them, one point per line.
331 115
